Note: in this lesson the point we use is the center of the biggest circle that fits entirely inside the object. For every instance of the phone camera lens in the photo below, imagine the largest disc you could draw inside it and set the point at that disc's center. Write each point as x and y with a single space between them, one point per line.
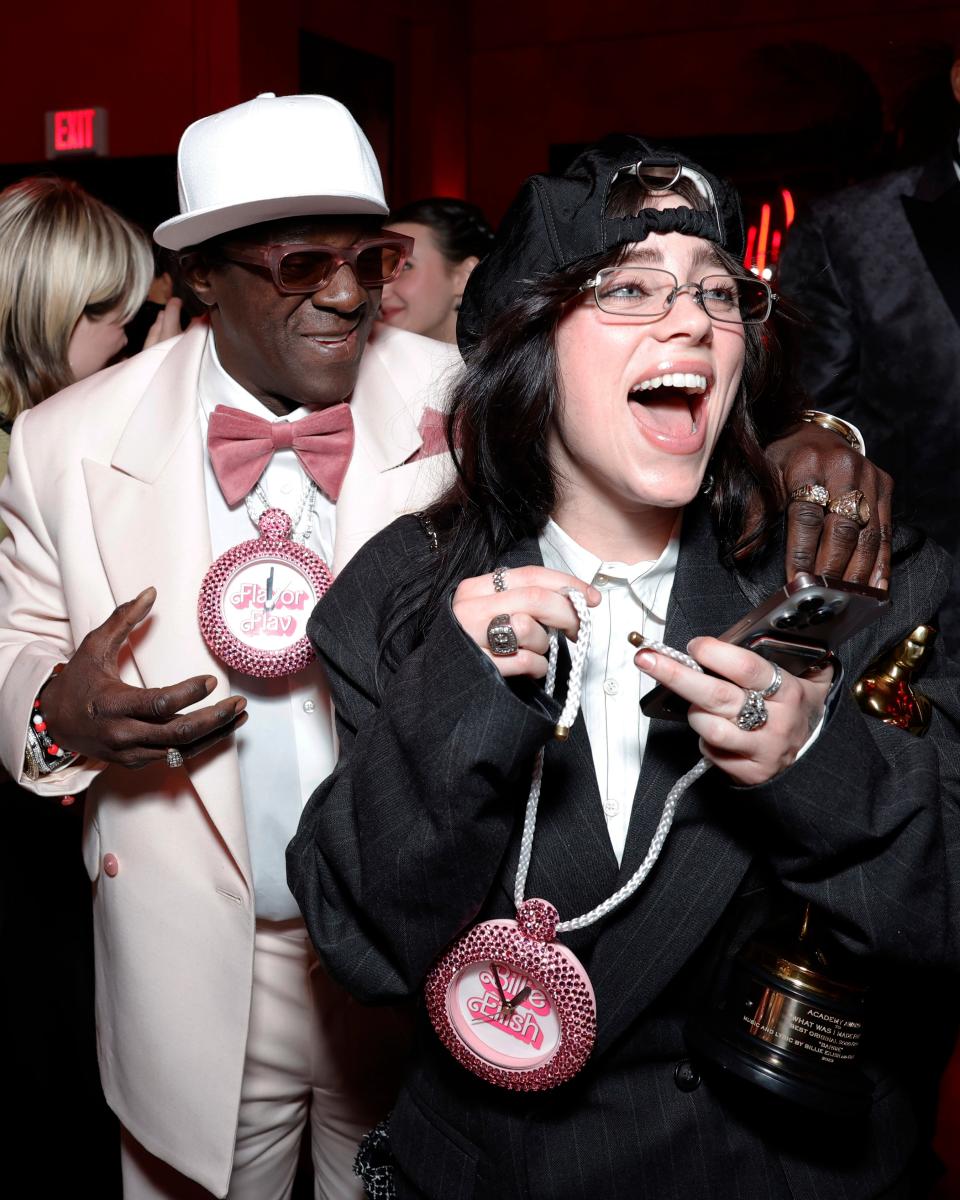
811 604
788 621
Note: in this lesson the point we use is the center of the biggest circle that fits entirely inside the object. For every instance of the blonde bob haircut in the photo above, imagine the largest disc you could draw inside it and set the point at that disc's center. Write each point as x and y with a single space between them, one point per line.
63 254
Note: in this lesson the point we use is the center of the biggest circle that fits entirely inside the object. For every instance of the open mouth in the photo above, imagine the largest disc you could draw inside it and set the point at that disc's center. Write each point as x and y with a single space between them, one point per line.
671 405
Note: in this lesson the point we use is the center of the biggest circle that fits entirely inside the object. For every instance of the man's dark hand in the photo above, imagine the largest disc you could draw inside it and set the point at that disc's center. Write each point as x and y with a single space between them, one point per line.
89 710
823 542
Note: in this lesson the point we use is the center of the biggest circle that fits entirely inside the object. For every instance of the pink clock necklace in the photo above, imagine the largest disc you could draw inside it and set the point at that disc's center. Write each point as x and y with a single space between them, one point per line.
509 1002
257 597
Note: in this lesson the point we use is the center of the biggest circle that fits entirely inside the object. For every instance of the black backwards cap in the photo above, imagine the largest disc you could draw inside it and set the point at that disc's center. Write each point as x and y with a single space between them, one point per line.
556 220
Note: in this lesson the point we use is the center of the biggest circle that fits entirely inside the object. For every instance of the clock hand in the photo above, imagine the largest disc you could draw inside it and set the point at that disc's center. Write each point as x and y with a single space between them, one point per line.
504 1002
519 997
268 603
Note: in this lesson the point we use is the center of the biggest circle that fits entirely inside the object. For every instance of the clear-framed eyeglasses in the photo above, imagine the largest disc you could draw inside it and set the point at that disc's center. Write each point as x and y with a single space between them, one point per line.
648 293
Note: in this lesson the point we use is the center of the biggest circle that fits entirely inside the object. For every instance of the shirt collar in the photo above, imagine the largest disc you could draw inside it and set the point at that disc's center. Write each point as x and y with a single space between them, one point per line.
644 579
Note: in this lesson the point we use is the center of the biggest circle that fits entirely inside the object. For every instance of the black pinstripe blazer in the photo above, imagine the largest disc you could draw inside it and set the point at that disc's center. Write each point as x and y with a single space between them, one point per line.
416 833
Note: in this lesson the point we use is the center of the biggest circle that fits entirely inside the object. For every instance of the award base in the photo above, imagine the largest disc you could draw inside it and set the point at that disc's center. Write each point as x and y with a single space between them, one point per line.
789 1027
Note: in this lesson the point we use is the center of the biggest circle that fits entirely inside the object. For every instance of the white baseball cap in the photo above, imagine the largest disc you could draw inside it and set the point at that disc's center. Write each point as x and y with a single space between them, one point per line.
273 157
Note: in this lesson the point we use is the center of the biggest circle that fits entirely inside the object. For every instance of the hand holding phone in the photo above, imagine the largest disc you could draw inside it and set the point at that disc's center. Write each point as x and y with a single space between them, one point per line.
799 627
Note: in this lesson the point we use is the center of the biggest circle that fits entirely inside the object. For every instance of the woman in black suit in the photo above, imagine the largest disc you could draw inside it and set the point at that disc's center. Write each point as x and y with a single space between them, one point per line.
622 375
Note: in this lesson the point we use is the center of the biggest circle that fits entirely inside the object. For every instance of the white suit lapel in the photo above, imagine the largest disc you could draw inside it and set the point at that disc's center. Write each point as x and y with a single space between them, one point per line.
150 520
399 377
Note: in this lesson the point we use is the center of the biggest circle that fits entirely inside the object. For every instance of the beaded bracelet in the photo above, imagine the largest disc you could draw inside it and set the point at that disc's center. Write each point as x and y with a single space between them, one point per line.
42 755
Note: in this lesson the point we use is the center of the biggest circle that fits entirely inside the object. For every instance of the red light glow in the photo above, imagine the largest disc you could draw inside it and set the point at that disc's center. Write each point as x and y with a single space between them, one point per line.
788 207
762 238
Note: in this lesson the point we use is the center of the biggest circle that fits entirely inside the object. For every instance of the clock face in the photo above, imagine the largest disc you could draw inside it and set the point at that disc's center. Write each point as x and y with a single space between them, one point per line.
256 600
503 1015
266 603
516 1011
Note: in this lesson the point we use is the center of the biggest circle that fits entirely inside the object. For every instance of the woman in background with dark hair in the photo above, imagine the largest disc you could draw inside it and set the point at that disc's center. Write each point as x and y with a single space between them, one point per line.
622 373
450 238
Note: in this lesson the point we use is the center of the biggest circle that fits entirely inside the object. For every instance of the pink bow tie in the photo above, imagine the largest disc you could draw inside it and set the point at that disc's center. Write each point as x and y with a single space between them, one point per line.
241 445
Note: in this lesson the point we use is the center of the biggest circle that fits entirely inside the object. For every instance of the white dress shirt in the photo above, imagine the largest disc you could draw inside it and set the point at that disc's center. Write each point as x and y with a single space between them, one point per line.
288 744
634 597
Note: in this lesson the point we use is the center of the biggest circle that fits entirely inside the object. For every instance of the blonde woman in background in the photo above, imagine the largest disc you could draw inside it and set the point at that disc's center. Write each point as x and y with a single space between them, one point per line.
72 273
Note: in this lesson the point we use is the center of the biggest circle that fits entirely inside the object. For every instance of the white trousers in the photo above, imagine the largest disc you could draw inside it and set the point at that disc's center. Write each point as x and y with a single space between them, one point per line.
312 1053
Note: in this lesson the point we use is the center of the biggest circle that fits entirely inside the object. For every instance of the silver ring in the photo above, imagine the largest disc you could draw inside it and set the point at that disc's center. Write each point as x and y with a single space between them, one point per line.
499 579
501 637
174 757
754 712
774 685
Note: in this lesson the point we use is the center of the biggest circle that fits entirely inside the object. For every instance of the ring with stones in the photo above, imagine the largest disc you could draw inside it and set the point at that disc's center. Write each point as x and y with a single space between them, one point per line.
754 712
813 493
174 757
501 637
774 685
500 579
852 505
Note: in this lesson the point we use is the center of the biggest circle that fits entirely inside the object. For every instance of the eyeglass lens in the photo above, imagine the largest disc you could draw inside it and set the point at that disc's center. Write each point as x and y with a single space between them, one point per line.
313 268
648 291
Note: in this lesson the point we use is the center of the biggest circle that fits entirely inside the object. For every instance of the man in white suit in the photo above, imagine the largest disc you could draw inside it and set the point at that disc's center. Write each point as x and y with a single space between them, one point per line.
219 1034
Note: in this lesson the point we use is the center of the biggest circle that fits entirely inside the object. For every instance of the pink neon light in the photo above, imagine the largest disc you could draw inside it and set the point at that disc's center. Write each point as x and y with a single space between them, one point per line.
788 206
762 238
751 241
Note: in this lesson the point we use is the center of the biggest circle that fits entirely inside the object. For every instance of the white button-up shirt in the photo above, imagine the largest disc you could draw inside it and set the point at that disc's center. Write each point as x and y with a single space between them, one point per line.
288 744
634 597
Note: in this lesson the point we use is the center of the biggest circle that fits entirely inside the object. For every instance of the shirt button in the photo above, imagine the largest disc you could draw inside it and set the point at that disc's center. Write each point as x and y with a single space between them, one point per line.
611 807
110 865
599 579
611 687
308 706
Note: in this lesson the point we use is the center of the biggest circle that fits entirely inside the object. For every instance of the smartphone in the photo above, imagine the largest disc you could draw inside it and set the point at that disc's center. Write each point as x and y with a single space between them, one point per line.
798 627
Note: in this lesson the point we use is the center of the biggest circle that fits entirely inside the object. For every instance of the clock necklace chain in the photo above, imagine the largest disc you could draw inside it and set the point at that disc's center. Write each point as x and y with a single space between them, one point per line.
578 655
302 522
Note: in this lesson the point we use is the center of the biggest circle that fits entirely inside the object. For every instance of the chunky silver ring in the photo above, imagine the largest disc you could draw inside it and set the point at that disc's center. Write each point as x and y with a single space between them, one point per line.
174 757
501 637
754 712
774 685
499 579
811 493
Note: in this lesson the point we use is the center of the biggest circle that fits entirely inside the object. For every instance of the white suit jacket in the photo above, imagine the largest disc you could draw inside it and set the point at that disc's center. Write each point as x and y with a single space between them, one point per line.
104 497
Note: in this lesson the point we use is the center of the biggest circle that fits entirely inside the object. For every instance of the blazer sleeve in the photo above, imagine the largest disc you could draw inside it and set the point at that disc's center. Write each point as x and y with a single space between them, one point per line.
829 362
35 629
867 823
398 849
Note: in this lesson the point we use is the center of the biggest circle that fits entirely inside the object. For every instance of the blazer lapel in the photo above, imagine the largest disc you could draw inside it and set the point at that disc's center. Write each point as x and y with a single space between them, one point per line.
933 212
150 519
573 864
643 944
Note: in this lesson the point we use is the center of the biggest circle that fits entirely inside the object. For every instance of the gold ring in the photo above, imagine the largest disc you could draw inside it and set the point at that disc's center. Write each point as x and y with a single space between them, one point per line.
852 505
812 493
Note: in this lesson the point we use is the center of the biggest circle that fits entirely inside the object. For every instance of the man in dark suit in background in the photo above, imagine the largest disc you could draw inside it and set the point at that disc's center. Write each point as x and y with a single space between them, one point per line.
876 269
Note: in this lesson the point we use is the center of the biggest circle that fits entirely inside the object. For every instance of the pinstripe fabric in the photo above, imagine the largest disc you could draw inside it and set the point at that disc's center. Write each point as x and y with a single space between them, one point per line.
416 835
